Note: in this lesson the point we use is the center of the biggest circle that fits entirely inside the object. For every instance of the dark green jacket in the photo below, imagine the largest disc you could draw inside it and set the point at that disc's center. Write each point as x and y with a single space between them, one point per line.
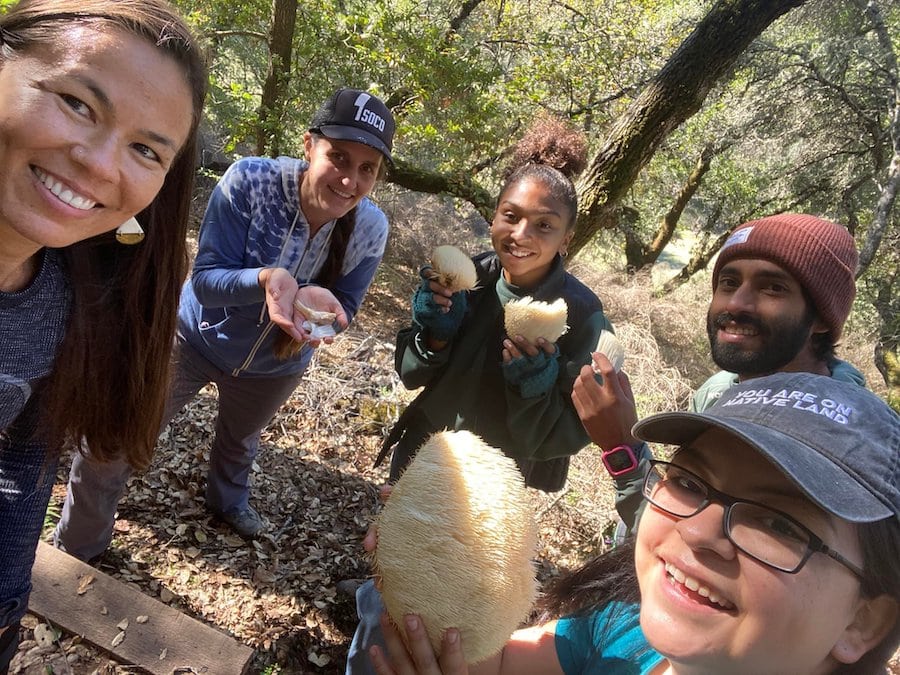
464 387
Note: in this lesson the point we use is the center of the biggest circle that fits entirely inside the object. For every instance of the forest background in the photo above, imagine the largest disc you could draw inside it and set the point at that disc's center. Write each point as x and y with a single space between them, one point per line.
700 115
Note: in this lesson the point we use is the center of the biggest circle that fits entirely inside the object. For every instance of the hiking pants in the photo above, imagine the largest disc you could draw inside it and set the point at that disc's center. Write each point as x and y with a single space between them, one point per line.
246 405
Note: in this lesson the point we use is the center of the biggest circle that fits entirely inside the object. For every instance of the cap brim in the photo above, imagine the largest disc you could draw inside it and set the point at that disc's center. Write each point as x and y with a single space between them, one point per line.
824 482
356 135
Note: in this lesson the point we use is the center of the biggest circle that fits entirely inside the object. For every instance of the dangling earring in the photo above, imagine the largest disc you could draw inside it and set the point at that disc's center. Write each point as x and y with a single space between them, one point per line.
130 232
563 253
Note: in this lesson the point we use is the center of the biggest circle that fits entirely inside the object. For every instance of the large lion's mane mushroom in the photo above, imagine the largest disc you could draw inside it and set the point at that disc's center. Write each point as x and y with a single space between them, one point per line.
456 541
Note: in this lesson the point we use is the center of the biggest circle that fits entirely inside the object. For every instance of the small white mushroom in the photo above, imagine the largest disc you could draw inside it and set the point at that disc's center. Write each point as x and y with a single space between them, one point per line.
610 345
317 323
314 316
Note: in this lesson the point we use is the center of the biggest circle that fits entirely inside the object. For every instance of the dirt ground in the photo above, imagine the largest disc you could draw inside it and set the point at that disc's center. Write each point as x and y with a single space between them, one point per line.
314 484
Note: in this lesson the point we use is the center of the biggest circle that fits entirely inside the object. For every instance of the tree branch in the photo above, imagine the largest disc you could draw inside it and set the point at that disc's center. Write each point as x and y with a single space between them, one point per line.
891 184
706 56
413 178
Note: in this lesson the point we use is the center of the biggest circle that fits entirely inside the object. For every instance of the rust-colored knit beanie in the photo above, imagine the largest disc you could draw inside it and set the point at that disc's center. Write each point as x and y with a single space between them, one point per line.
819 254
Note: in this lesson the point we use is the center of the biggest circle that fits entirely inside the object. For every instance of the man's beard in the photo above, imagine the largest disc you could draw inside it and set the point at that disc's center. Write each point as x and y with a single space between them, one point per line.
781 341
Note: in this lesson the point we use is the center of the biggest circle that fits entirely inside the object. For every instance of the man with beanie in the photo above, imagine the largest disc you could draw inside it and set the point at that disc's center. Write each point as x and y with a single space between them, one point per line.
783 287
766 269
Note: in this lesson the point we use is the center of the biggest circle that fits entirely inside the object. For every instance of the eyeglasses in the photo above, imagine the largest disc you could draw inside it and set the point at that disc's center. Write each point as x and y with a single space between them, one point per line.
767 535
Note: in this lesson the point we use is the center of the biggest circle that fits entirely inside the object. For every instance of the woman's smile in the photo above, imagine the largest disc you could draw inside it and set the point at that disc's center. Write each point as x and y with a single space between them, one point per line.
695 589
66 194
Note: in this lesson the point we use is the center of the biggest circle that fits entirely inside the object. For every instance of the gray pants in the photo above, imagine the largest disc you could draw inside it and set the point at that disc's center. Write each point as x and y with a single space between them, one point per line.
246 405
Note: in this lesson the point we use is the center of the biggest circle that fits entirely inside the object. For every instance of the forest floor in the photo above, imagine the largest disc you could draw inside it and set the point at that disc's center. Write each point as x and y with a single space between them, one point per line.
314 483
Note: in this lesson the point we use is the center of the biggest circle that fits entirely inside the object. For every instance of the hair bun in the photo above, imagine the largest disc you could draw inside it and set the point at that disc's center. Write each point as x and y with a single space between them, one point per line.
553 142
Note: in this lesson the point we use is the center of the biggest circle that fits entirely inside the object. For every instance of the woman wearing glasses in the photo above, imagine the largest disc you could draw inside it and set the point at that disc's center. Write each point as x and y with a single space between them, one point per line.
769 545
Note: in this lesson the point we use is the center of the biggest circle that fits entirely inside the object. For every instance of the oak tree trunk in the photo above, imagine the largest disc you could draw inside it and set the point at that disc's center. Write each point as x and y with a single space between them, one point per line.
650 253
677 92
280 44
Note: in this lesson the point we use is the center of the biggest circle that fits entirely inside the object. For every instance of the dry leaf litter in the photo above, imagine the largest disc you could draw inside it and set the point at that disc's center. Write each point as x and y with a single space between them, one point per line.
314 484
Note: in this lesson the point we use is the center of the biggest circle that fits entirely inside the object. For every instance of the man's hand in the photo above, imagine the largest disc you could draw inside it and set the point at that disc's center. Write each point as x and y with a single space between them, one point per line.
607 410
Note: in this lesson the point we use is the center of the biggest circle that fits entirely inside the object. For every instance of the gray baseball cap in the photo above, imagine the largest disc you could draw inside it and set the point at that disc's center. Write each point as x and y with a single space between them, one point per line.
836 441
354 115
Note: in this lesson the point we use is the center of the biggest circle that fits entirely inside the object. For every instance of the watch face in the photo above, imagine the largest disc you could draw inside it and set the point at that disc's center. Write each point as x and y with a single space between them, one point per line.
620 460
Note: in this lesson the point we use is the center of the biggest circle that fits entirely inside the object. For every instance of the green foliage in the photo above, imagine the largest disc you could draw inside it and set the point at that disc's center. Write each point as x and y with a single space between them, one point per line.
462 95
51 517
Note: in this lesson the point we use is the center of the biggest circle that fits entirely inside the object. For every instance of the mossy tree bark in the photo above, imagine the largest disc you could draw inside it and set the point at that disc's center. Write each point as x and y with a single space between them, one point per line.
414 178
887 281
639 254
280 42
887 348
703 252
676 93
890 184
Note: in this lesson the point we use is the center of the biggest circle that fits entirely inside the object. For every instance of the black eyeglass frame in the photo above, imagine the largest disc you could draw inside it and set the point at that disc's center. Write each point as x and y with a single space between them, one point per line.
814 545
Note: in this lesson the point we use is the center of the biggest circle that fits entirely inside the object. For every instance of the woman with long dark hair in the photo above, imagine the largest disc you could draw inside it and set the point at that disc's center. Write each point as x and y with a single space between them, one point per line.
99 107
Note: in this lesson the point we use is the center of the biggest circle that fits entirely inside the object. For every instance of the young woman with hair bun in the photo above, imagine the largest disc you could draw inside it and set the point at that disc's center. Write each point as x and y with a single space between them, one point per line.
514 393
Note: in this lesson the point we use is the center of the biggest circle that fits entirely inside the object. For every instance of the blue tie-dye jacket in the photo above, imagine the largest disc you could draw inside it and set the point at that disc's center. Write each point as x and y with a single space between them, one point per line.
253 220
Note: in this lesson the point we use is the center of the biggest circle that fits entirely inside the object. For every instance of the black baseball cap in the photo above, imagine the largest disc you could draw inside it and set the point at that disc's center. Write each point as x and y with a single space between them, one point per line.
355 115
836 441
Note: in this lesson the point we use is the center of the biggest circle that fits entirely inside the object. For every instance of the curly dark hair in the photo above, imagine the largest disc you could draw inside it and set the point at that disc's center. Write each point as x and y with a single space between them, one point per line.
553 152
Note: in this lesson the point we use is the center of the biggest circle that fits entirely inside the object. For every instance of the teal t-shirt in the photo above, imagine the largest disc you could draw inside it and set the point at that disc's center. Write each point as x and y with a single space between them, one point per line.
608 641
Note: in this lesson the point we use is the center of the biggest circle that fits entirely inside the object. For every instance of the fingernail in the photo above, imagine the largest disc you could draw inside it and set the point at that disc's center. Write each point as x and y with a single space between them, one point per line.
412 623
452 636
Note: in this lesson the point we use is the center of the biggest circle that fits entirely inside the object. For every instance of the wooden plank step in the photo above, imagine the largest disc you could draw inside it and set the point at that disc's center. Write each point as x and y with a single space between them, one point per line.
168 642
